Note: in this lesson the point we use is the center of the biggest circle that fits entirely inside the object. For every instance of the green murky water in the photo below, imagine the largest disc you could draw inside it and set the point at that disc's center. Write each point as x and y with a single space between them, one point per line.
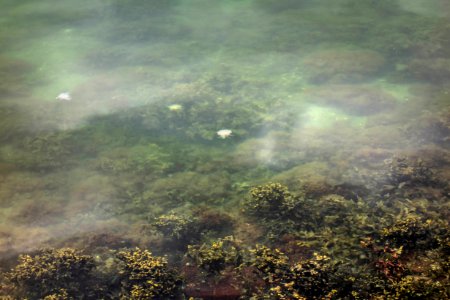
202 130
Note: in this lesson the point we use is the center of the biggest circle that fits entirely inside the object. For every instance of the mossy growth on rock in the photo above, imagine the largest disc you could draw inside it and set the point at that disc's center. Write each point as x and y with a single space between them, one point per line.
216 256
174 226
280 212
145 276
52 274
271 201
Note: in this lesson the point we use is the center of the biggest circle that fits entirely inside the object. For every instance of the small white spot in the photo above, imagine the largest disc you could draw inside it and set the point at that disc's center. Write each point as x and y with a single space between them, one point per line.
224 133
175 107
65 96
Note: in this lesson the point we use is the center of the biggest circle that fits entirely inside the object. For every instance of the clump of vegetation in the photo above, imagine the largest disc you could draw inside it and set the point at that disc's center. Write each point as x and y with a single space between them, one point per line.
61 295
394 278
216 256
271 201
52 274
409 260
145 276
190 228
414 287
306 279
269 262
174 226
278 211
412 234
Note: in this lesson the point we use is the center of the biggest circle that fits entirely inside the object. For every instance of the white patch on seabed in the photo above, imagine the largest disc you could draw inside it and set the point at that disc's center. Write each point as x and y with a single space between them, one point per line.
65 96
224 133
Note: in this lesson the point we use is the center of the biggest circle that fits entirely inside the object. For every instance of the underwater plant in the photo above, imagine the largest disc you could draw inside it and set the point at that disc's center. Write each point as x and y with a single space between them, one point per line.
306 279
174 226
269 262
309 279
53 273
145 276
411 234
191 227
216 256
415 287
271 201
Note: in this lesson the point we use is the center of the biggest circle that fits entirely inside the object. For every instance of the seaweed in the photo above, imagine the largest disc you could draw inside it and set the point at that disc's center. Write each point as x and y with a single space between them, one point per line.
53 273
144 276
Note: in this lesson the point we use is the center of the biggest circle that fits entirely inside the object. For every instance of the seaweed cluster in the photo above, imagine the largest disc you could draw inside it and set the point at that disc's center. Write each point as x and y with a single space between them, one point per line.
145 276
181 230
270 201
52 274
216 256
66 273
224 267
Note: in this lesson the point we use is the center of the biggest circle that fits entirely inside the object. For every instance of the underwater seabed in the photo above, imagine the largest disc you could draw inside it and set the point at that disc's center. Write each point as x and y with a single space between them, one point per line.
253 149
